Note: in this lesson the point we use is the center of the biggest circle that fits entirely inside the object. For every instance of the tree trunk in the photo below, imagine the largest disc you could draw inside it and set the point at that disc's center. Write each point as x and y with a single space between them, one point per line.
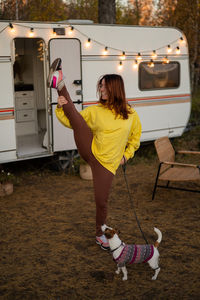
106 11
137 12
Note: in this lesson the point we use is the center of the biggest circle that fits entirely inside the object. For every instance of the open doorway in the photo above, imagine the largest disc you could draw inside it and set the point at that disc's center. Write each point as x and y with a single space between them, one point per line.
30 102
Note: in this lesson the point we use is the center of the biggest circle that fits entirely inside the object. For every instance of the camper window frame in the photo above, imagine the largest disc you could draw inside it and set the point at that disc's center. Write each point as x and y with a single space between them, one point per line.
158 88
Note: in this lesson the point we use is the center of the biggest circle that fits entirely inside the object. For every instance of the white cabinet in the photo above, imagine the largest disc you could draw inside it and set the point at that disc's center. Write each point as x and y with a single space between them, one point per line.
26 113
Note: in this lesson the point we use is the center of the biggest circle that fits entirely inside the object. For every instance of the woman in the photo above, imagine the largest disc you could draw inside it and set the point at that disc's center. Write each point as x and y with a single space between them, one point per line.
106 134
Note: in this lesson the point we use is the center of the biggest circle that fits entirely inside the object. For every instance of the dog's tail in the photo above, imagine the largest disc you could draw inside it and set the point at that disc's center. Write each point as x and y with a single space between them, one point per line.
159 233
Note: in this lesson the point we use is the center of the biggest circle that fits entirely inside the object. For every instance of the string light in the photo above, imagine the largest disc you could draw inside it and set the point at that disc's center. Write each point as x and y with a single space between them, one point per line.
154 55
123 56
135 64
12 29
165 60
151 64
88 43
31 33
182 41
178 51
149 55
120 66
105 51
71 30
169 49
139 57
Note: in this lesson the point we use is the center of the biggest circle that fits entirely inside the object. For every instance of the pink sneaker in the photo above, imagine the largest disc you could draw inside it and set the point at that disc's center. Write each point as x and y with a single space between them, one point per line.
56 78
103 242
55 73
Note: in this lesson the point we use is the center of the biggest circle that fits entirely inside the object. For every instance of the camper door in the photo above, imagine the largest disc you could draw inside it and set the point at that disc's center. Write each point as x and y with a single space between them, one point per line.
7 122
69 50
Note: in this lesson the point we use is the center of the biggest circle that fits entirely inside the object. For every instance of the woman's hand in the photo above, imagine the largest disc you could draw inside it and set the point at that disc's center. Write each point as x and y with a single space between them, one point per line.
61 101
123 160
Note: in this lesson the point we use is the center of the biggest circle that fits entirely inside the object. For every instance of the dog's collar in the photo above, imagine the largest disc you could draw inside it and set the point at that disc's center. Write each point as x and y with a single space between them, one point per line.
117 247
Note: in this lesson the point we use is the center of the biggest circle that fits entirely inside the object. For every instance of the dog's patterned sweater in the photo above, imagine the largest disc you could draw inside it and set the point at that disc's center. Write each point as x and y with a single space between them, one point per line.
135 254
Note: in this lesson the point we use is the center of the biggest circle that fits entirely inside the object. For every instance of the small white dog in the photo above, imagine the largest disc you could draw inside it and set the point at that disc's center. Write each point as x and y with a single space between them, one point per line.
124 254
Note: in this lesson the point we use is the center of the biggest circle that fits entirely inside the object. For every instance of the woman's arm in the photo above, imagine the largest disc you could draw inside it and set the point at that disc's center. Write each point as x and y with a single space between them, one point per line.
60 112
63 118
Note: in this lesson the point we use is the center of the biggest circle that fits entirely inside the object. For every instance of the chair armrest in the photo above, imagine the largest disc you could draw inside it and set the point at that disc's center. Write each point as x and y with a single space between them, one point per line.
188 152
179 164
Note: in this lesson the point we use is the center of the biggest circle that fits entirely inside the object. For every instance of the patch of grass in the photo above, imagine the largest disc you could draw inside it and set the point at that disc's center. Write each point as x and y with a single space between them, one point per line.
190 140
145 154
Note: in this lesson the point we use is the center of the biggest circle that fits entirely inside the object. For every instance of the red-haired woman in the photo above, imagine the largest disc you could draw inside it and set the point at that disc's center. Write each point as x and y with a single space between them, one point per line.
106 134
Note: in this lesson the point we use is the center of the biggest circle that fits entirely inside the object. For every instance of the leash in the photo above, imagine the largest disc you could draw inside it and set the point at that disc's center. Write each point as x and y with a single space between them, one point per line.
132 203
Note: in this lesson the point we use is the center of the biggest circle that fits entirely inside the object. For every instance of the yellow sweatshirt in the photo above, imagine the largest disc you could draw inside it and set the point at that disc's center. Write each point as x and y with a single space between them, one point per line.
112 137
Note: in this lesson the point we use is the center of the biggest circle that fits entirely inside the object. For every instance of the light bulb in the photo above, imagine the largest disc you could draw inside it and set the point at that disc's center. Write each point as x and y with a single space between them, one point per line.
135 64
151 63
88 43
139 57
120 66
31 33
182 41
165 60
105 51
178 51
123 56
154 55
12 29
71 30
169 49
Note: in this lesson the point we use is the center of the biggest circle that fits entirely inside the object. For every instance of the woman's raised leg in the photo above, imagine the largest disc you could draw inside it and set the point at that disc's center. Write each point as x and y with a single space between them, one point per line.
82 133
102 178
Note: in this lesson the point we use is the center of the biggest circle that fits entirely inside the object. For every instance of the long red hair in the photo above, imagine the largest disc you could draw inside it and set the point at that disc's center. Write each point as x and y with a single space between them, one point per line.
116 95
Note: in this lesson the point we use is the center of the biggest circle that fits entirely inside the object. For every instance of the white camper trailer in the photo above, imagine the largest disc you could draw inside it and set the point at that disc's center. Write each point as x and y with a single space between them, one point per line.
153 62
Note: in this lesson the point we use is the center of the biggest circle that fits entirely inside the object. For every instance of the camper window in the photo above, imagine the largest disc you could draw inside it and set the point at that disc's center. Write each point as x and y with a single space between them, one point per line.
159 76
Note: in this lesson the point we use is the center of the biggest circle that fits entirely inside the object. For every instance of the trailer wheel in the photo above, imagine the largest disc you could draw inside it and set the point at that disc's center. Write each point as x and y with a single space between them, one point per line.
68 161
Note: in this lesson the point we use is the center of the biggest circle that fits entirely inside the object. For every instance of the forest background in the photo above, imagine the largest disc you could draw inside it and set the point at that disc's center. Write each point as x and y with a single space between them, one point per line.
182 14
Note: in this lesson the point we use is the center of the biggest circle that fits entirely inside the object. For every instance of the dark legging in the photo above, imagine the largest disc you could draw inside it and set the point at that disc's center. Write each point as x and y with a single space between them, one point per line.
102 178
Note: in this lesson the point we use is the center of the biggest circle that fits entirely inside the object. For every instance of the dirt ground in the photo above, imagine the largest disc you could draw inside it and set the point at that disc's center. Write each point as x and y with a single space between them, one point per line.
47 240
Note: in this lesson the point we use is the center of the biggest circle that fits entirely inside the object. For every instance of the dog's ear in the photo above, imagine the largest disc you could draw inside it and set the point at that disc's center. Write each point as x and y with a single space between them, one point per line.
109 233
103 227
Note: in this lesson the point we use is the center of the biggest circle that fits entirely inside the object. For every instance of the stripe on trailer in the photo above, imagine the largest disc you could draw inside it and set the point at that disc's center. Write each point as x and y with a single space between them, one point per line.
6 113
90 103
160 100
157 100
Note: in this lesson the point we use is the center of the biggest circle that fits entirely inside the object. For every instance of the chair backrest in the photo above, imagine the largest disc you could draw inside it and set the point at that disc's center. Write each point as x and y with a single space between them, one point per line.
164 149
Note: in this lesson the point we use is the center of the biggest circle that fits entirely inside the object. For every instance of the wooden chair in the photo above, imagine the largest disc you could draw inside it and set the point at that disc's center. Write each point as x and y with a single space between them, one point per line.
169 170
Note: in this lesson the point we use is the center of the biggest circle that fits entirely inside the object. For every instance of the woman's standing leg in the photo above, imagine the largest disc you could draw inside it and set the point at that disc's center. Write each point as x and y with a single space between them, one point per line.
102 180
